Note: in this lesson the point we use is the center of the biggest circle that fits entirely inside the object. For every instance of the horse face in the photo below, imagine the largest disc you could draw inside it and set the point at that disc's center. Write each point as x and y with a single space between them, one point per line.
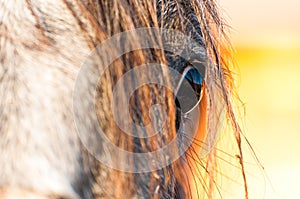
52 108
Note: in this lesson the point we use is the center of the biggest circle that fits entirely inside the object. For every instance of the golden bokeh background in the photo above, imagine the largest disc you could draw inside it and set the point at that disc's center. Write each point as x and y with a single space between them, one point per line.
266 37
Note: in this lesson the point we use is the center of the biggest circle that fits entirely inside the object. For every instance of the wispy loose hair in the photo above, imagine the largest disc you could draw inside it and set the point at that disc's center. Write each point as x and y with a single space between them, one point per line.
60 36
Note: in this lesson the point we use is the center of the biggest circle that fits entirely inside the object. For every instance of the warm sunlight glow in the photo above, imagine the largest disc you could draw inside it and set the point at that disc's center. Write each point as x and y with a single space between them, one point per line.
269 86
266 36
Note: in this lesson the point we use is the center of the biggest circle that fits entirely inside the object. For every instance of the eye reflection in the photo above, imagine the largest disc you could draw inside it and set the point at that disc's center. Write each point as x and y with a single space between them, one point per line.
193 79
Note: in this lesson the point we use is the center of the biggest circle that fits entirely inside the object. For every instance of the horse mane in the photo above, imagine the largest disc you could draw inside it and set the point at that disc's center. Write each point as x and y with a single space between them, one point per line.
99 20
111 17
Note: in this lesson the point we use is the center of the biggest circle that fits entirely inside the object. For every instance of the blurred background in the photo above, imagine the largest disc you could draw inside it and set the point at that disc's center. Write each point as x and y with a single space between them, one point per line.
266 37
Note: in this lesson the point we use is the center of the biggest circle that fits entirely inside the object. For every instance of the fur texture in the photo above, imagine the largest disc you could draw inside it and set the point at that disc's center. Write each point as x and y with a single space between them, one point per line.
42 46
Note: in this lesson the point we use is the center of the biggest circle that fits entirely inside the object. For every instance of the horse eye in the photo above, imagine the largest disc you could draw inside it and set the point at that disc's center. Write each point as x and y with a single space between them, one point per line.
196 81
186 98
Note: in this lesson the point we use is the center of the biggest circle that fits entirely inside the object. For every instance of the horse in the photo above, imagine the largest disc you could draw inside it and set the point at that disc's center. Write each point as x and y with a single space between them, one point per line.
47 96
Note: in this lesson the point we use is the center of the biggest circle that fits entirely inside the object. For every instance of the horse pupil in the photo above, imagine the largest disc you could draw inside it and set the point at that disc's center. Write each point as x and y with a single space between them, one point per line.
195 79
194 76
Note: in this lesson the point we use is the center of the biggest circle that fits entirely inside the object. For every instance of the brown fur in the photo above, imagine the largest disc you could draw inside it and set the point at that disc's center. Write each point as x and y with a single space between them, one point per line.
42 46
